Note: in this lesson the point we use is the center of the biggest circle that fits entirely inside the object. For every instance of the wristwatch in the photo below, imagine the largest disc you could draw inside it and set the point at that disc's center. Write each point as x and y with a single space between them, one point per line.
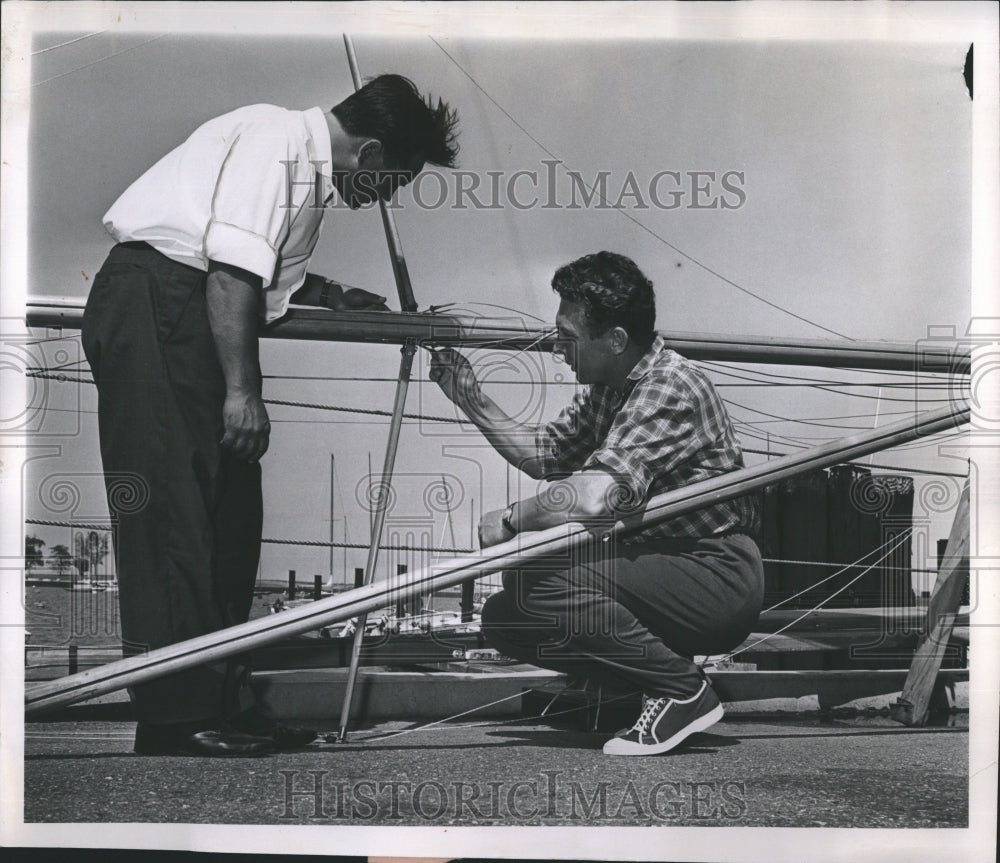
508 514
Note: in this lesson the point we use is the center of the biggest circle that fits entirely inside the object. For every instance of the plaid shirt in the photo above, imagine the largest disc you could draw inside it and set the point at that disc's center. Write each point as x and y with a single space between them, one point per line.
668 429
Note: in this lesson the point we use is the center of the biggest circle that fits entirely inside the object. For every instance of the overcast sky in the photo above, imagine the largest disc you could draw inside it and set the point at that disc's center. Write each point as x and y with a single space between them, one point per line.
846 207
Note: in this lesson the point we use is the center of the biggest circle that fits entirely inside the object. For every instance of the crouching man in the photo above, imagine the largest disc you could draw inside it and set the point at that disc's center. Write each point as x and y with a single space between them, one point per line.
629 613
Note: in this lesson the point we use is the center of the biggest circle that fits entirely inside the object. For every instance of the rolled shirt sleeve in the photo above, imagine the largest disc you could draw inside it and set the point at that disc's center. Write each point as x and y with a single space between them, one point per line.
244 189
251 205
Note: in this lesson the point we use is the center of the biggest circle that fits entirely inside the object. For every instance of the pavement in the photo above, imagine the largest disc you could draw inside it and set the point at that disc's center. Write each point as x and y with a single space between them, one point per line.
788 771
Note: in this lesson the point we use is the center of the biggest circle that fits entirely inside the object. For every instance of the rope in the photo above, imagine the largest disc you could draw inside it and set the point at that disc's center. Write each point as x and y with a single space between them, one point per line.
314 542
68 524
326 544
283 403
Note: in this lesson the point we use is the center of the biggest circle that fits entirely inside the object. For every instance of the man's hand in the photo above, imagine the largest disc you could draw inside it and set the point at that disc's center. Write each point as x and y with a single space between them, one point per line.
357 299
328 294
233 297
492 531
247 428
453 373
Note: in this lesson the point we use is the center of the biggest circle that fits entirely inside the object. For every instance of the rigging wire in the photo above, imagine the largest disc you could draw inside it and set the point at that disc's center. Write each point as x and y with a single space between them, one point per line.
844 568
50 339
64 44
722 367
904 535
840 417
812 421
100 60
822 386
449 308
635 221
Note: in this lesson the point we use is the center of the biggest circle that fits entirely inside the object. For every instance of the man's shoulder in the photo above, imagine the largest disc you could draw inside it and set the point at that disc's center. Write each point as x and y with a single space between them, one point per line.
667 363
675 371
257 117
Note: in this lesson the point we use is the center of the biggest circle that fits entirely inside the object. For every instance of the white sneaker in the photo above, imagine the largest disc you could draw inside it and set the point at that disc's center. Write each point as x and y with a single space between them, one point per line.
665 722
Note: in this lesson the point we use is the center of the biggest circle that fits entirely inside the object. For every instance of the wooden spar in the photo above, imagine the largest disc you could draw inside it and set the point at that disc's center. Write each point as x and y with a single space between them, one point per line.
427 328
445 573
914 702
402 275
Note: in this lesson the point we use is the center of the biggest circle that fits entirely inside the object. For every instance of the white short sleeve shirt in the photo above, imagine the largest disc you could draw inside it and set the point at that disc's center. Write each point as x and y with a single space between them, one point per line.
245 189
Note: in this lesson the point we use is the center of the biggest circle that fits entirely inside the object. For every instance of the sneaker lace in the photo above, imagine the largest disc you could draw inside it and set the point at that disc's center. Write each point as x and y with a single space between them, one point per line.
649 711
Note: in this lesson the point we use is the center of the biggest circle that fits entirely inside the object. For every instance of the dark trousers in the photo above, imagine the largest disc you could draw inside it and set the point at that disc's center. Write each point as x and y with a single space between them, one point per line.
188 516
631 618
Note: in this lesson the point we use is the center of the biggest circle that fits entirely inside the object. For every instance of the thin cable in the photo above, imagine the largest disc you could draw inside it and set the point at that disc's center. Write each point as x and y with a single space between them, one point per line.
371 411
497 722
883 384
64 44
46 341
776 418
857 564
517 312
101 60
903 537
820 386
440 721
635 221
723 367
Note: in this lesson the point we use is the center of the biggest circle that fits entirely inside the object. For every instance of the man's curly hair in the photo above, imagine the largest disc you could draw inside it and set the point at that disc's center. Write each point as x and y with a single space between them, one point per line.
613 291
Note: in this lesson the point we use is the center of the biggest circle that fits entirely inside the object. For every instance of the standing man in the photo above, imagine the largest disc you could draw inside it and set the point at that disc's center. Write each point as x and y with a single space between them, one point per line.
633 614
213 241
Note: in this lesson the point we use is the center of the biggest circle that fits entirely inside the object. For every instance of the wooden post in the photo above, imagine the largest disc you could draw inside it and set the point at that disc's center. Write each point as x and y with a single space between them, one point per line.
291 584
317 586
914 702
400 601
359 577
468 600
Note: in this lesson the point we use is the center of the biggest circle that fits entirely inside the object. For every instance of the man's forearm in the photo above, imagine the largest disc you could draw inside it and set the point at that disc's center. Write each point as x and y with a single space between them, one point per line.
233 301
587 496
308 294
514 441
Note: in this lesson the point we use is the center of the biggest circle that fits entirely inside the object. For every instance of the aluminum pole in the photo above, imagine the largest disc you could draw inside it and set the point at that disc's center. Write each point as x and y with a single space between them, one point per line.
444 330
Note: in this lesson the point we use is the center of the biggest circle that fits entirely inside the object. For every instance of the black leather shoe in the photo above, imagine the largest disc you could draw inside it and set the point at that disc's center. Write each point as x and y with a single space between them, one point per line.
259 724
204 743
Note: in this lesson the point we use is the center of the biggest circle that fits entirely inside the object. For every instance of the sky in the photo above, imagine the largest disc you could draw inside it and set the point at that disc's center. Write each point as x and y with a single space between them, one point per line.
830 179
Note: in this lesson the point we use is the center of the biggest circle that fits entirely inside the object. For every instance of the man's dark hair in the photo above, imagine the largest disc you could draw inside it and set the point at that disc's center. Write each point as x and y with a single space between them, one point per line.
390 109
614 292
